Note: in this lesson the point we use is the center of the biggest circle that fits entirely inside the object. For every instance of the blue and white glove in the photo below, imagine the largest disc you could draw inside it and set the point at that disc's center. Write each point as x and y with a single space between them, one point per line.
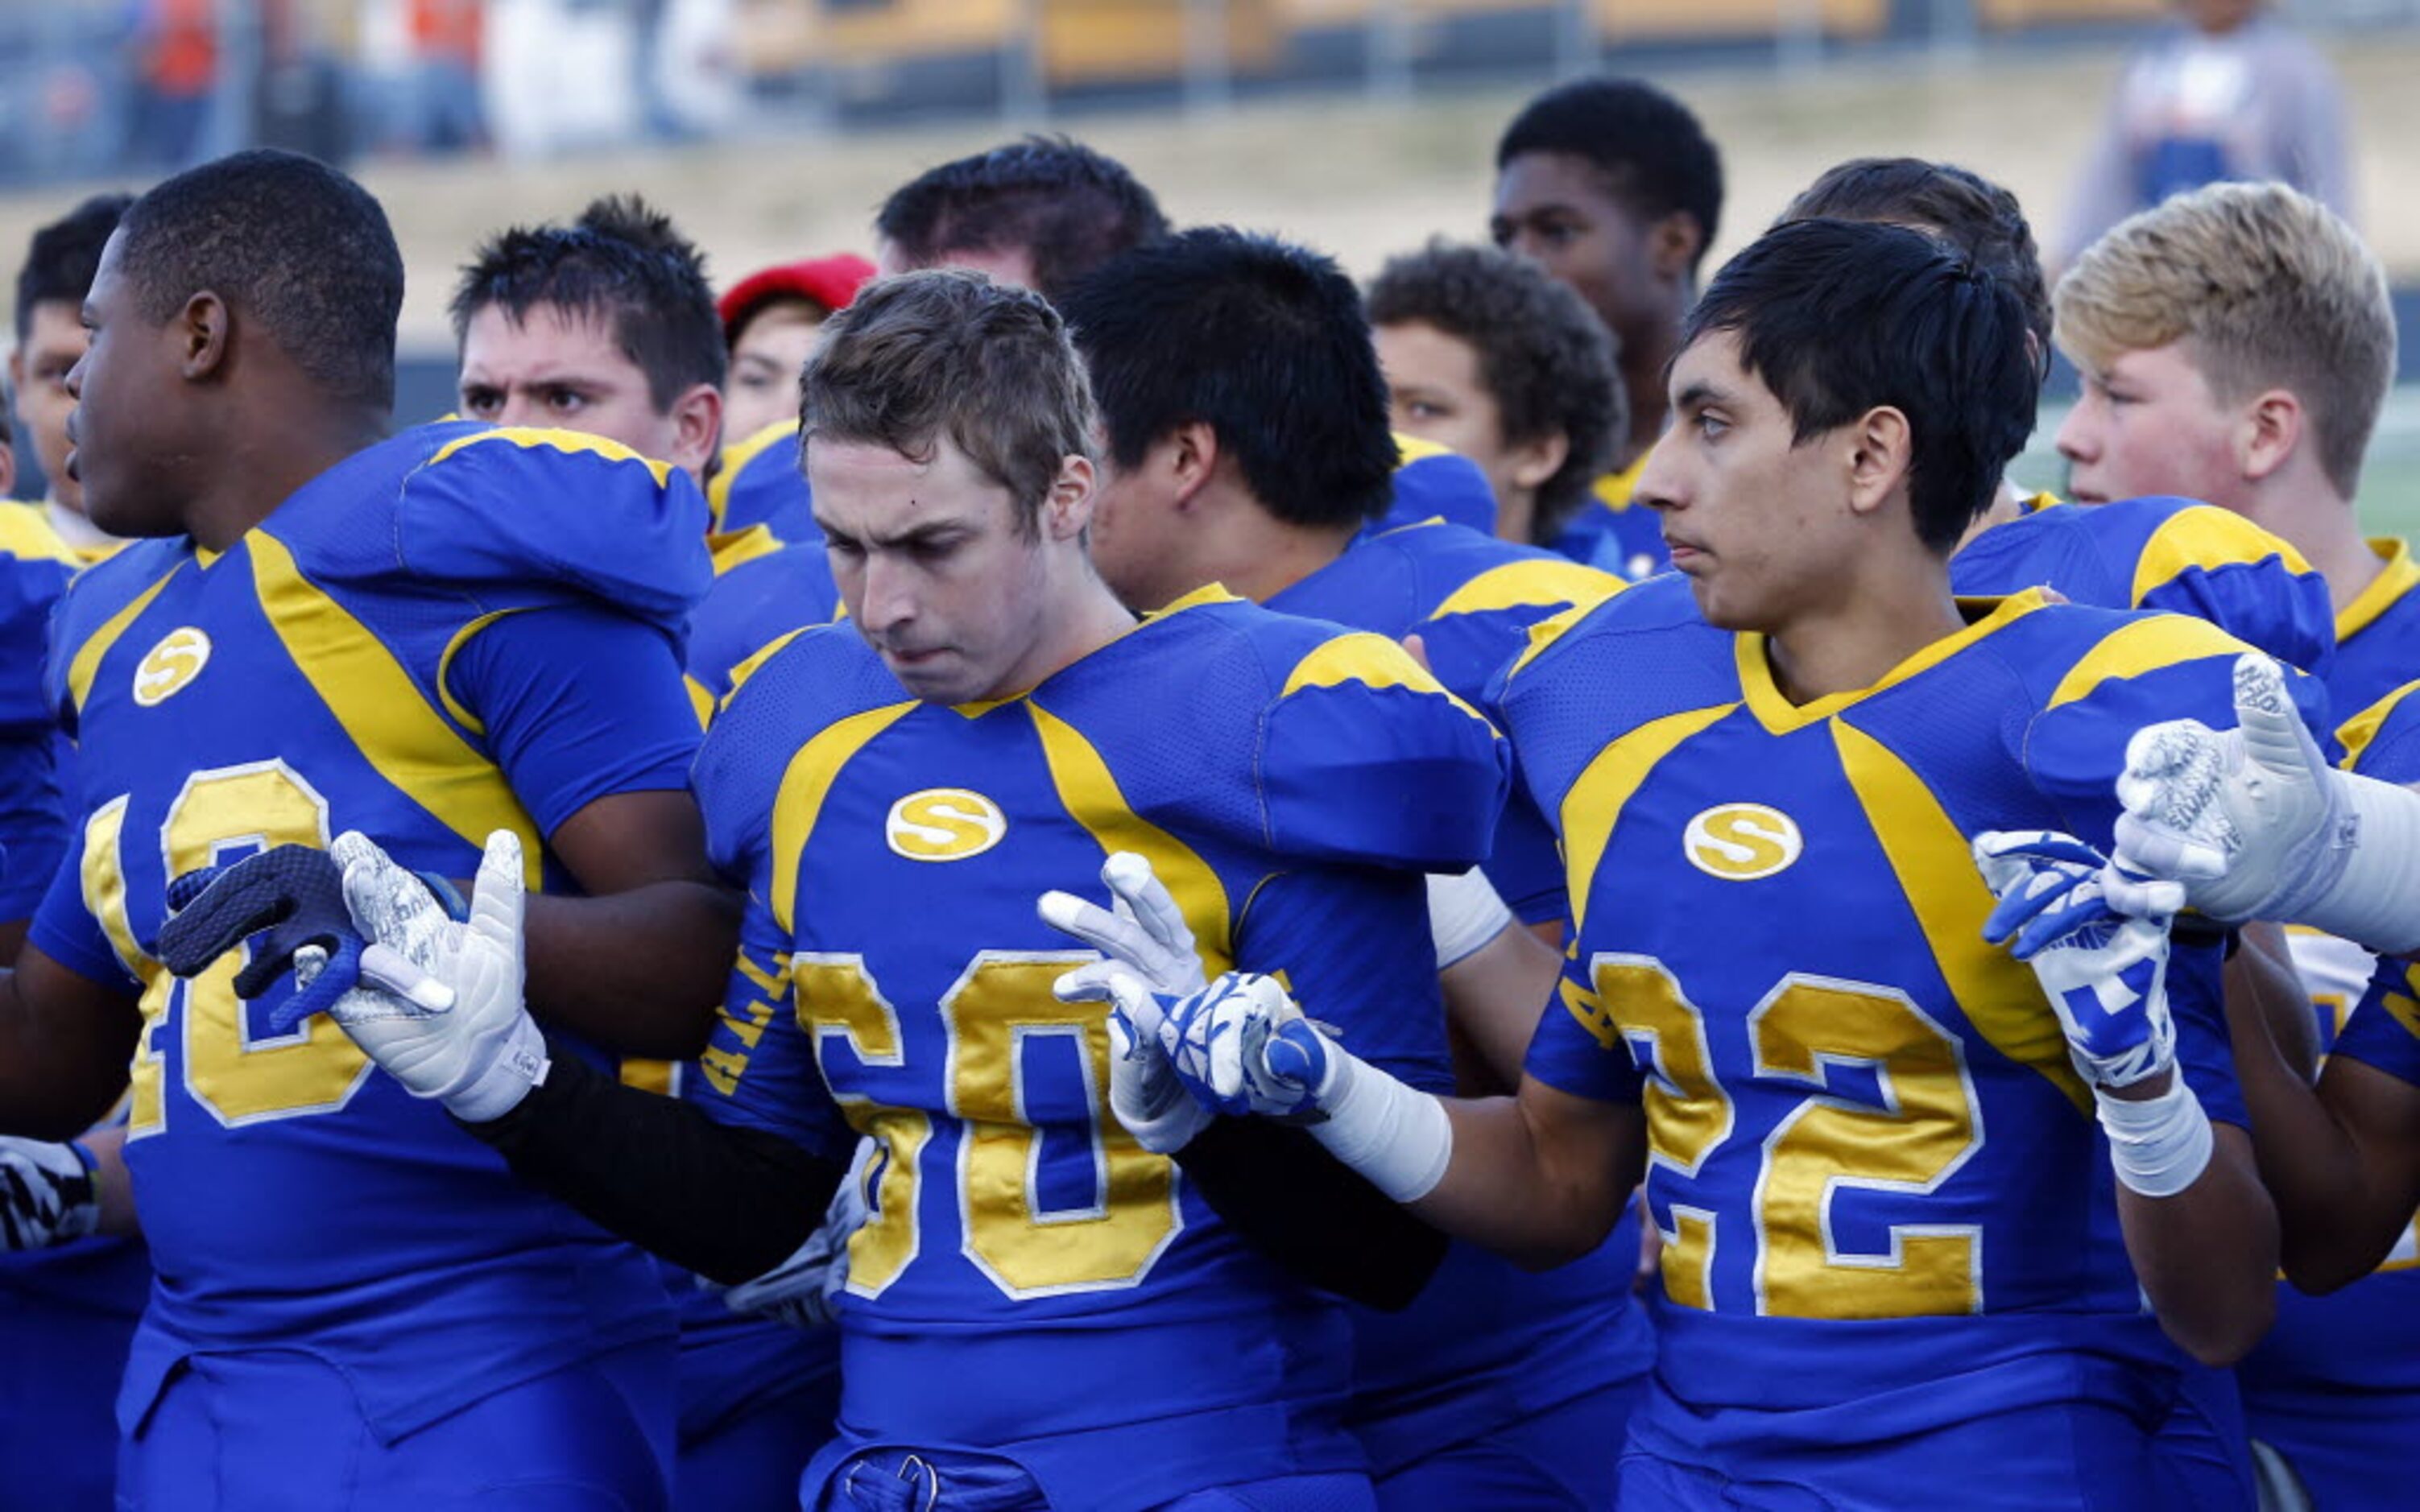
2256 823
1242 1045
1149 954
48 1195
805 1290
2105 974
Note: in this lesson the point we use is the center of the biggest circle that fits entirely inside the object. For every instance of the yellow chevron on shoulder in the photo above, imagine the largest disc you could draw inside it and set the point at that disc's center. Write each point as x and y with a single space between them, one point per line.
28 535
734 461
1371 661
2140 646
1529 583
2207 537
1549 630
749 665
1613 489
1411 449
2358 732
85 663
729 549
530 437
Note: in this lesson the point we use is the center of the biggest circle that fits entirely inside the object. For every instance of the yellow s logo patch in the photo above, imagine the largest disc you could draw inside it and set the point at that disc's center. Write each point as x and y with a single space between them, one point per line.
1742 842
944 825
166 668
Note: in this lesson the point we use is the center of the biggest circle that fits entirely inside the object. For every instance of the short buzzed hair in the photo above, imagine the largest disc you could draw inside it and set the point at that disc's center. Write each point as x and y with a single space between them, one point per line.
288 241
1543 356
1655 156
1070 207
950 353
622 265
2267 288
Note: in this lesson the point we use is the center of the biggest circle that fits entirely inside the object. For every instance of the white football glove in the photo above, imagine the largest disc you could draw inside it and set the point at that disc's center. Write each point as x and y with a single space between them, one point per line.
440 1004
1149 950
805 1290
2104 973
48 1195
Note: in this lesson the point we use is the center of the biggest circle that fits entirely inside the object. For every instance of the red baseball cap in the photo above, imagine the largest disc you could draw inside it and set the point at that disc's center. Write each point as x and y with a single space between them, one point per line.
830 282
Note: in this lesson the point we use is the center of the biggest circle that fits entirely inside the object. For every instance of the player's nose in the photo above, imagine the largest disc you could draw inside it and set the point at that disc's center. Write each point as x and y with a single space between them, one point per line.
2078 439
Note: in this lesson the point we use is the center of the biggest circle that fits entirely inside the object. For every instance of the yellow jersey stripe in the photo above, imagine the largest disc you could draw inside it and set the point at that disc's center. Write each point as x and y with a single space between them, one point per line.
799 801
1593 805
2358 732
734 461
2144 645
1371 660
2398 579
1528 584
2207 537
531 439
86 663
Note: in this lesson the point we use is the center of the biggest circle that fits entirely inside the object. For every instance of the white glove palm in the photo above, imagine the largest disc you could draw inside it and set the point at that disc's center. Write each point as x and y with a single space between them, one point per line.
440 1006
1149 950
2250 820
805 1290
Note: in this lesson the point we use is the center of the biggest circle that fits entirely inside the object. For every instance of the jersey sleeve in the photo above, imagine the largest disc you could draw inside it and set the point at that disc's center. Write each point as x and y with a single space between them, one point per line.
758 1070
65 930
2384 740
33 822
1433 483
760 482
1365 758
30 588
1352 944
517 517
755 604
1580 1048
2216 565
576 703
2385 1027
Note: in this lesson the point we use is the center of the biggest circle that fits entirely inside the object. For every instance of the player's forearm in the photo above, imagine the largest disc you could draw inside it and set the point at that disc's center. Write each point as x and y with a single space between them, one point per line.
1492 998
2208 1257
1301 1207
2260 975
1519 1185
728 1203
641 972
59 1072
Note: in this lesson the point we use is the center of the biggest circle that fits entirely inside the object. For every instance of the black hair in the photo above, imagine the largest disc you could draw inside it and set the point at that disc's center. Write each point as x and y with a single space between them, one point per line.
288 241
1839 318
59 264
1262 341
621 263
1070 208
1543 356
1654 155
1968 210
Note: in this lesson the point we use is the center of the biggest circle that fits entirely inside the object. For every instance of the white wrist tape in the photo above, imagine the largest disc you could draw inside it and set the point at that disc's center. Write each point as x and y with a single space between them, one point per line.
1464 912
499 1085
1397 1136
2374 900
2160 1146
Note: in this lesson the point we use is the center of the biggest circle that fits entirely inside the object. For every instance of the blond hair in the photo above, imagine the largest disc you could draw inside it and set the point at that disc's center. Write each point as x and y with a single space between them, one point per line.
2266 288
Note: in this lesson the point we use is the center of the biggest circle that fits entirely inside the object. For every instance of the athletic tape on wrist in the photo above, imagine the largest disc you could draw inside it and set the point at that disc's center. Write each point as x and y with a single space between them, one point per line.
1397 1136
1464 912
2159 1145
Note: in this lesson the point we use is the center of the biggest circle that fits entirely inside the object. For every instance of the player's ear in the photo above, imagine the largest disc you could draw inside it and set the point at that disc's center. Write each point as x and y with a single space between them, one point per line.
1535 461
2267 430
1674 242
1067 509
1881 446
1192 456
200 330
697 428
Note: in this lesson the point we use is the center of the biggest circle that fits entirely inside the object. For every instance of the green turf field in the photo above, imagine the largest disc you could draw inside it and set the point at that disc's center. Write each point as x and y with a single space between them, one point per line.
2390 484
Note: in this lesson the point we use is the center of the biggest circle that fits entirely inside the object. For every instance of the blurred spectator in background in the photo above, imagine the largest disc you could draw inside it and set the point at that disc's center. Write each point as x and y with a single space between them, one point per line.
2226 92
445 40
177 42
772 320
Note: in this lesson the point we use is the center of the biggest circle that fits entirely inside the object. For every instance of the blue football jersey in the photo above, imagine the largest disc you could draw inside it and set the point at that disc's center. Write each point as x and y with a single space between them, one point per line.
754 604
2377 634
757 482
1434 482
1614 532
1288 784
1487 1343
2335 1384
1886 1205
349 664
2161 553
35 567
1472 599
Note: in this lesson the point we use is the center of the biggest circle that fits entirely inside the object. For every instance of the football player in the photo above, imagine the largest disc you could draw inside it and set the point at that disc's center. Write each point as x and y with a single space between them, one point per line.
1043 1308
1614 187
50 337
455 631
1858 1122
1485 354
771 321
1246 445
607 326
